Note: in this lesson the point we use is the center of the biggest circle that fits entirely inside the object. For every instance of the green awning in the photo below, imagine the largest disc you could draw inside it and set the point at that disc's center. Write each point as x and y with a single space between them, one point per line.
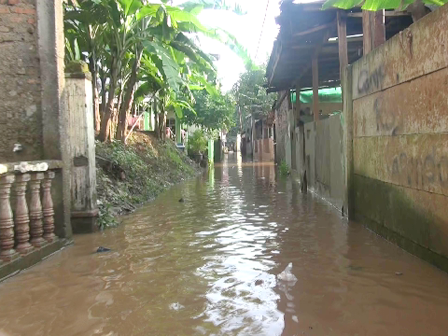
331 95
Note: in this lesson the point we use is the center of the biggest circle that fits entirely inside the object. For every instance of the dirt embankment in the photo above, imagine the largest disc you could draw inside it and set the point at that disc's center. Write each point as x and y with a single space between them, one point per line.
128 176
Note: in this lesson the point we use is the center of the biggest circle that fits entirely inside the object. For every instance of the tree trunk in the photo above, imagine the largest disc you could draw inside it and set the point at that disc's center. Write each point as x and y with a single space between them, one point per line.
241 119
105 122
96 99
162 125
126 106
156 118
114 117
103 96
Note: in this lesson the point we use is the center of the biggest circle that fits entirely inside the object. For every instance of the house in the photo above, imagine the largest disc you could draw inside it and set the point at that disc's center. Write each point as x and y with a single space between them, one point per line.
382 161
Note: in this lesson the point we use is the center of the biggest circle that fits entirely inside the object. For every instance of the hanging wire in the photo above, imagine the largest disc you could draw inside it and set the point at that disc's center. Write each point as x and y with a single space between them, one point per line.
262 29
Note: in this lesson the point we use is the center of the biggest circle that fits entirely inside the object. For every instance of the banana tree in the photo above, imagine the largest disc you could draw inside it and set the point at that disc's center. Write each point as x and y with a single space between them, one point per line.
115 35
160 36
83 25
415 7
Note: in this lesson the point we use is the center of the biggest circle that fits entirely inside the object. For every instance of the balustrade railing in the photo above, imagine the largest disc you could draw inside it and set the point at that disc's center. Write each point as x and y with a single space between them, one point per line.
26 209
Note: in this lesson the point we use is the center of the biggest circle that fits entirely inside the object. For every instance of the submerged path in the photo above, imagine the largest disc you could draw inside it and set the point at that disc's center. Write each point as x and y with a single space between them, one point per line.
217 264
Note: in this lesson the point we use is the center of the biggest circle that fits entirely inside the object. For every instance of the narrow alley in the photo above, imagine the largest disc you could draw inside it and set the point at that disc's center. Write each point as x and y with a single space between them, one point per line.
219 263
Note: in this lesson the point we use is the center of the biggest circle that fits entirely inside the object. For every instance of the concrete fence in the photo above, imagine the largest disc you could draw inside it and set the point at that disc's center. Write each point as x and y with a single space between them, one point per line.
323 160
35 146
385 159
398 165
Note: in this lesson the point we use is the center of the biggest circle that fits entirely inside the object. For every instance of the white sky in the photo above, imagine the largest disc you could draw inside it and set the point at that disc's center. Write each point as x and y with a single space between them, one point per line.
247 29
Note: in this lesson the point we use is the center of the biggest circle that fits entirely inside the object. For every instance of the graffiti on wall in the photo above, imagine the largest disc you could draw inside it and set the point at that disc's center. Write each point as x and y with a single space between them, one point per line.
385 122
426 172
370 81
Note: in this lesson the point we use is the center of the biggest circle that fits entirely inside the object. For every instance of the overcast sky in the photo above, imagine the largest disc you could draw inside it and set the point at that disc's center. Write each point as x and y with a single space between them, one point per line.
247 29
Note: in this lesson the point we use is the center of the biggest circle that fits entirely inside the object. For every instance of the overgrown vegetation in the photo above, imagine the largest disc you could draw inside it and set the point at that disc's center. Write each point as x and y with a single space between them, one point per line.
197 143
250 96
130 175
213 112
143 53
283 168
374 5
417 8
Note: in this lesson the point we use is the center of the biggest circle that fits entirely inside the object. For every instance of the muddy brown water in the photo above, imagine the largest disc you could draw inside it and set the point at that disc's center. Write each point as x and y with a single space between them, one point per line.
217 264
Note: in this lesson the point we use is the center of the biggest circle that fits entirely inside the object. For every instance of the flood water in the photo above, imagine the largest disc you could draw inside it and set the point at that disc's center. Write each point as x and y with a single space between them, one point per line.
217 264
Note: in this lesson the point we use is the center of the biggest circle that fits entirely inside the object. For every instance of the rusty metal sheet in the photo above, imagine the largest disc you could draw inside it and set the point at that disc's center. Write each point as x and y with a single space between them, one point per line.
417 161
416 51
419 106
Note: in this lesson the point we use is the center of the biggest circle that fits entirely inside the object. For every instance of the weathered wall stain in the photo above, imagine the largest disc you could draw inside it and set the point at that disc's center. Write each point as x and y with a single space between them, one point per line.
400 152
384 121
20 94
370 81
421 172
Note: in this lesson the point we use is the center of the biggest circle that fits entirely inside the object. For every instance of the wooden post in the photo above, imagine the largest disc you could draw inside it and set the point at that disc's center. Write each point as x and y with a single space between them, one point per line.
36 211
315 70
47 207
373 29
7 252
22 217
342 41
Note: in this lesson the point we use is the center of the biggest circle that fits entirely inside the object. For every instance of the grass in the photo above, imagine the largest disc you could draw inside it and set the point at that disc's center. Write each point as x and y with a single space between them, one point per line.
283 168
137 173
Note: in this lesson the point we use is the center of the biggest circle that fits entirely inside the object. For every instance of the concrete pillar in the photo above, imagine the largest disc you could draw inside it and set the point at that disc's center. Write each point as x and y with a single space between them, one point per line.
178 131
79 104
348 141
211 151
315 72
146 121
55 142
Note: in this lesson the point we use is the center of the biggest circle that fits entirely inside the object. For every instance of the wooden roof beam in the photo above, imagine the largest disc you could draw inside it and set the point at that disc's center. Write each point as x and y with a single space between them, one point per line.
387 14
314 29
342 40
274 67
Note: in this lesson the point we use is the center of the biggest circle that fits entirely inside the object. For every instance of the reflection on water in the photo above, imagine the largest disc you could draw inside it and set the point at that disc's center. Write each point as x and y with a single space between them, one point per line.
245 254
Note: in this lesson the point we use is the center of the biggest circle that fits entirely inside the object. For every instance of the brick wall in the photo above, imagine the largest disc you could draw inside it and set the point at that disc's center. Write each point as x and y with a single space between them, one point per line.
20 94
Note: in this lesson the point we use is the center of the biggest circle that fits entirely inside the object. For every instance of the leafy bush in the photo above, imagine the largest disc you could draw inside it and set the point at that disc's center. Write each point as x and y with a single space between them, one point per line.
136 173
283 168
197 143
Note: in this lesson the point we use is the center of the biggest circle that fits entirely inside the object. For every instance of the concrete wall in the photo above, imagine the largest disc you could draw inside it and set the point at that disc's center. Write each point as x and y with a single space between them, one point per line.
264 150
32 109
282 130
32 93
324 160
315 149
400 139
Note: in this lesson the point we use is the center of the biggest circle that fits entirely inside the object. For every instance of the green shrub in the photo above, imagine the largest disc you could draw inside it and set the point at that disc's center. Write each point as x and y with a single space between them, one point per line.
136 173
283 168
197 143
